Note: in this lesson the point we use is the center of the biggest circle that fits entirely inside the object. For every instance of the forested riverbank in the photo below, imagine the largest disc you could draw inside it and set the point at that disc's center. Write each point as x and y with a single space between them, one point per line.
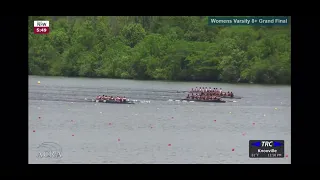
181 48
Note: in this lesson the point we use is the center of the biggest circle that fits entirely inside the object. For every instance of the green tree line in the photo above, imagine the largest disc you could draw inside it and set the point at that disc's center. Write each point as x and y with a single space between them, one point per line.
181 48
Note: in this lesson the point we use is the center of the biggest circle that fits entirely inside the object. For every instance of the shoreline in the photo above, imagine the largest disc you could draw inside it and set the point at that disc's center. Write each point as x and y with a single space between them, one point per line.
155 80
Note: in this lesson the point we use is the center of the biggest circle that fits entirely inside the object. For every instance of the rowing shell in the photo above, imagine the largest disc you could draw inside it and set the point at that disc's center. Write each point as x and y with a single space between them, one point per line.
196 100
226 97
113 102
229 97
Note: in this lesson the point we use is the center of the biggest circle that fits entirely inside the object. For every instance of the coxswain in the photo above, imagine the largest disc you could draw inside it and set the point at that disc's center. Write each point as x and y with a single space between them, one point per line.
124 99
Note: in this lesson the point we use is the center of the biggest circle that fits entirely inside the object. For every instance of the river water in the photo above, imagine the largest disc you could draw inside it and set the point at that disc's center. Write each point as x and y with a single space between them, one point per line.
155 129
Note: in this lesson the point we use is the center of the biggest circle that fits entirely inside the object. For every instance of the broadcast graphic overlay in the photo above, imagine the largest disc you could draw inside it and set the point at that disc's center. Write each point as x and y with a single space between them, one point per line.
266 148
41 27
248 21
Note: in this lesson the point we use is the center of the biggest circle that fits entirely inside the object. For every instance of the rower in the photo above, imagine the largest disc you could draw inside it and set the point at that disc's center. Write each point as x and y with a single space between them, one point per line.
188 97
231 94
192 96
196 89
191 89
220 90
209 89
124 99
200 89
98 97
206 89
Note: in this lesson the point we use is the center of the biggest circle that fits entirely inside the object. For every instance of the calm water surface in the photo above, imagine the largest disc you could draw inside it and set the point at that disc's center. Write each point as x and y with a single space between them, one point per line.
90 132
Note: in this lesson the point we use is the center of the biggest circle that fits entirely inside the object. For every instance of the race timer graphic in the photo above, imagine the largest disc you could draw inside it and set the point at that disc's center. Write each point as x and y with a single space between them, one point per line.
266 148
41 27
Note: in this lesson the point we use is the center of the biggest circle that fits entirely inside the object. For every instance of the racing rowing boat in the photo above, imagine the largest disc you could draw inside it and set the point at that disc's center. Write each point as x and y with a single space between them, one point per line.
229 97
113 101
199 100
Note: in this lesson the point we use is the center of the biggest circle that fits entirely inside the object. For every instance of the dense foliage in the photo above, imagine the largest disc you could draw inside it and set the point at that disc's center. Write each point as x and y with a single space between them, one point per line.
164 48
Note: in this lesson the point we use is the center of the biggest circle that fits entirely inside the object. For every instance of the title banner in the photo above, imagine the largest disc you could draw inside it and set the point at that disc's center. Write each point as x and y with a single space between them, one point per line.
248 21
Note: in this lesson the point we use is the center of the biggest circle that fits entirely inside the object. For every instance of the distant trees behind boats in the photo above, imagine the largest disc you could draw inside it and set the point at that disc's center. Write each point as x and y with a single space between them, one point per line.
164 48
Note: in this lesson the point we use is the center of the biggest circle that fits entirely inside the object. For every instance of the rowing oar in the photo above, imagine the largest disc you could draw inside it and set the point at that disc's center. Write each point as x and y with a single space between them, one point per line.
182 91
